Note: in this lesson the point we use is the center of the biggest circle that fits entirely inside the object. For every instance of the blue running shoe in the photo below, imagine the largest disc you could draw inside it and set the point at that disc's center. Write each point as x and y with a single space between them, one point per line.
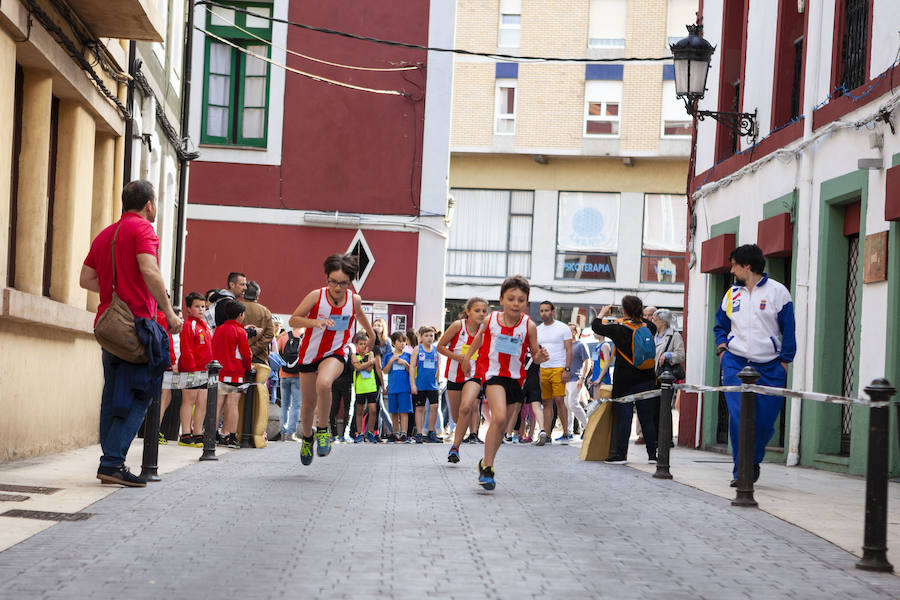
418 438
370 437
433 438
358 439
453 455
486 476
323 443
306 452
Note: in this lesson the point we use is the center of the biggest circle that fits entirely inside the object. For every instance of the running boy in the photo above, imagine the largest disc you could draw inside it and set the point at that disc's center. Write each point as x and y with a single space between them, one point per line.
231 349
196 353
365 384
454 344
328 314
505 339
425 387
400 381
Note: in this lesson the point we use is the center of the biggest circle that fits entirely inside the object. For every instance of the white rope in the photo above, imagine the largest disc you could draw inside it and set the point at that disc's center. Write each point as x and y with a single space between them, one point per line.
774 391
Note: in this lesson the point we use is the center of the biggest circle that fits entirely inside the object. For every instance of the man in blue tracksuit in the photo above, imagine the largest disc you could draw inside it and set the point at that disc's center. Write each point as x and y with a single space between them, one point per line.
754 326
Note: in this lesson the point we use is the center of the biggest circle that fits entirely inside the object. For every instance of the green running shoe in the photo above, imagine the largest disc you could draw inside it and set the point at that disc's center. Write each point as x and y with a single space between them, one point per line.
323 443
306 452
162 440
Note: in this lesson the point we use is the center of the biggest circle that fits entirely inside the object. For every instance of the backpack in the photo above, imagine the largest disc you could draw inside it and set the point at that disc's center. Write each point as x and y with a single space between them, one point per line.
291 354
643 349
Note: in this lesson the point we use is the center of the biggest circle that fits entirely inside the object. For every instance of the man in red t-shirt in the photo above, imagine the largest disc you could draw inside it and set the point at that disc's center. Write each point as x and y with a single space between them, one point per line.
140 285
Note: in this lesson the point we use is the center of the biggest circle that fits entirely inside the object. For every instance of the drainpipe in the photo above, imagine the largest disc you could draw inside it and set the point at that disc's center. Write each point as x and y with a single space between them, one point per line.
182 161
129 123
805 193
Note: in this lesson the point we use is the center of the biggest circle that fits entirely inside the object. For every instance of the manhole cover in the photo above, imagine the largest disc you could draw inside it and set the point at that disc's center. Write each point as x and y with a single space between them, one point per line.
27 489
13 498
44 515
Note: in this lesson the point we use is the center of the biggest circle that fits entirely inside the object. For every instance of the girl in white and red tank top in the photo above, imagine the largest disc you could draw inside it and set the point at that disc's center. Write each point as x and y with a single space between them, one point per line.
329 315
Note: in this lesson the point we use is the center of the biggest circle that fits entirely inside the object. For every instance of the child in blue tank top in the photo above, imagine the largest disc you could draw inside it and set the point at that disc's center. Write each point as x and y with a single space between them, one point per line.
399 386
425 365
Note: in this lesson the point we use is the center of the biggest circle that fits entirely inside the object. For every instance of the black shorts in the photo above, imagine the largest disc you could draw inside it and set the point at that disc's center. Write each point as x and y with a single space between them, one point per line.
532 389
513 390
370 398
452 386
313 367
420 398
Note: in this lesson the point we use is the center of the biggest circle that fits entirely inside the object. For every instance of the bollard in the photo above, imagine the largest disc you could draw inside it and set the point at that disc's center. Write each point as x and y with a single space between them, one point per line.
664 434
875 532
210 422
744 497
149 469
249 400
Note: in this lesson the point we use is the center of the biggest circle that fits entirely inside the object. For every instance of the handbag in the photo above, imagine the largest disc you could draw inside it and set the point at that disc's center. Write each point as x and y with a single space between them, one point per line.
115 330
676 369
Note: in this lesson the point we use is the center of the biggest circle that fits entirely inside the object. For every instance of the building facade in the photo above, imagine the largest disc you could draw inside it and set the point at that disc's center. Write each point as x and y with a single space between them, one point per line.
313 144
62 143
818 192
572 174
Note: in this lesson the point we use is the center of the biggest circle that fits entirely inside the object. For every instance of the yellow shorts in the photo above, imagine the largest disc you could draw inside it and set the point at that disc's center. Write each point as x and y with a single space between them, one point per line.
552 384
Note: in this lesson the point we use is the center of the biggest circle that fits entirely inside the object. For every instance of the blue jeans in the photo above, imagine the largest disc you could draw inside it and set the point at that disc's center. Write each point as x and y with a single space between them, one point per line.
771 374
124 385
290 404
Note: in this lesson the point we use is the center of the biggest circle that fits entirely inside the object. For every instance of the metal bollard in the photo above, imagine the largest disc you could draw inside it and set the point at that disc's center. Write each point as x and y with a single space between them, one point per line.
210 422
149 468
744 497
875 533
664 435
249 400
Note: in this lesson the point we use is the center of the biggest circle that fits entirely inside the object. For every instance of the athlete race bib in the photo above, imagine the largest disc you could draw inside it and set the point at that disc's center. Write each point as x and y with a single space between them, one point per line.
397 367
428 364
341 322
507 344
365 374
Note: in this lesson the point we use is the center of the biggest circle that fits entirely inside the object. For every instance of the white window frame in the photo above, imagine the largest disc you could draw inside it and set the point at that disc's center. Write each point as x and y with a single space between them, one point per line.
605 42
605 92
510 8
670 107
498 103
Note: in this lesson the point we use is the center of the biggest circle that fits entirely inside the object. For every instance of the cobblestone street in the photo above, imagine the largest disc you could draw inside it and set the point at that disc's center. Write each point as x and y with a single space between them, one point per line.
396 521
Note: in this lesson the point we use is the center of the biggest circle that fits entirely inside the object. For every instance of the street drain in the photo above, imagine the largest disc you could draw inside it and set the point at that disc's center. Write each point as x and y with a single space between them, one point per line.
12 498
44 515
27 489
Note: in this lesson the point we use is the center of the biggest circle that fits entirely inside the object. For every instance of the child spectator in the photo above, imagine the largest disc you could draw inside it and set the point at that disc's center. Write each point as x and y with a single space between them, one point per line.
232 350
425 387
399 386
196 353
365 384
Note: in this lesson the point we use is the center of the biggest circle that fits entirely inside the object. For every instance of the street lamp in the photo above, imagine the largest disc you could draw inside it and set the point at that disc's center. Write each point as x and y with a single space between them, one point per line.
691 57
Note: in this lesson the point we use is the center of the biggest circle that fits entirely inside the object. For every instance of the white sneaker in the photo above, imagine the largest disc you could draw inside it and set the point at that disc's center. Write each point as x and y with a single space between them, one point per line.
541 439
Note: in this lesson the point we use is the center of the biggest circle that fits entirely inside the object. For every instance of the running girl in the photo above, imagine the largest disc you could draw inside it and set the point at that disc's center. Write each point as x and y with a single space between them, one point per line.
504 342
454 344
328 314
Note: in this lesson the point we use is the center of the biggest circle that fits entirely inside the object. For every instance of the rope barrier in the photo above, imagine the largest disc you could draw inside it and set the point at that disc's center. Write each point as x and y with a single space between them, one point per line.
774 391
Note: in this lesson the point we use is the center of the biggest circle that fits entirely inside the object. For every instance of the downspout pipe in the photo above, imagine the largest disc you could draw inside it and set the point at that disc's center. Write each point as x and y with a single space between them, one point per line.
183 161
129 123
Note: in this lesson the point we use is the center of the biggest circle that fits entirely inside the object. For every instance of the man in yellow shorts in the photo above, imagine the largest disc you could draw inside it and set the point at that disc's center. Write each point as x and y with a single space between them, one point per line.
556 337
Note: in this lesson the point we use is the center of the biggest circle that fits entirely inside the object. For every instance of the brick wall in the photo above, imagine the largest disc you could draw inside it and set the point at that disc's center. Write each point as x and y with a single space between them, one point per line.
551 101
472 119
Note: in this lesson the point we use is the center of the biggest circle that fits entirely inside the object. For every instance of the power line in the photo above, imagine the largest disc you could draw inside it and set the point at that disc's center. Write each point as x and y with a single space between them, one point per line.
492 55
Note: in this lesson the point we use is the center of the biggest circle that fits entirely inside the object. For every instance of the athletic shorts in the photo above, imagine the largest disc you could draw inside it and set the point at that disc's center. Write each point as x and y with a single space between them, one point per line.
430 395
511 387
313 367
452 386
400 403
369 398
227 388
532 389
552 384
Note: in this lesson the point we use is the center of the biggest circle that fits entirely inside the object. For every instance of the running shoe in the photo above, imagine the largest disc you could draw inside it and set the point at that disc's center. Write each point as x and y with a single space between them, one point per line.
306 452
198 441
359 438
541 438
615 460
515 438
453 455
526 440
370 437
486 476
508 438
419 438
563 439
186 439
233 441
340 440
323 443
434 439
163 441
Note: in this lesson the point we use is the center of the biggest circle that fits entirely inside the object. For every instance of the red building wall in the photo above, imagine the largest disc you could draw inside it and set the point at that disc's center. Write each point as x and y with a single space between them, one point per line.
287 260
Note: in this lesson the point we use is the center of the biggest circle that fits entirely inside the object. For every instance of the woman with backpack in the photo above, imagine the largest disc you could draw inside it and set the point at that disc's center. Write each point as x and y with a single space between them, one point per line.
635 372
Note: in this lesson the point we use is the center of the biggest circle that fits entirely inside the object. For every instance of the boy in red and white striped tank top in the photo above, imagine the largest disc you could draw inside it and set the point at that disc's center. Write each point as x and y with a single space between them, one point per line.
501 345
329 316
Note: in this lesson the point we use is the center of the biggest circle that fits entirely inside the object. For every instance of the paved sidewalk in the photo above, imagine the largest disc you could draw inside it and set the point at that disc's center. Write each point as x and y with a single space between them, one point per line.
395 521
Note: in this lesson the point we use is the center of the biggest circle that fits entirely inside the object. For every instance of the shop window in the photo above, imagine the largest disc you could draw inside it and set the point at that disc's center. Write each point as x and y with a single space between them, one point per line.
663 248
587 235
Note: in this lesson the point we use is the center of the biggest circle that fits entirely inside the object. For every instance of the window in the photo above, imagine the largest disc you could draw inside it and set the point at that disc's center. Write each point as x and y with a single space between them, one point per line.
850 49
18 100
676 121
236 83
730 74
788 81
606 28
491 233
510 23
587 235
680 13
662 256
603 101
505 110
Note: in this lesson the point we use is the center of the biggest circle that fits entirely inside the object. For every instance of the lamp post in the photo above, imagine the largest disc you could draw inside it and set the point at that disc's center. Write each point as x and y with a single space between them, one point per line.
692 55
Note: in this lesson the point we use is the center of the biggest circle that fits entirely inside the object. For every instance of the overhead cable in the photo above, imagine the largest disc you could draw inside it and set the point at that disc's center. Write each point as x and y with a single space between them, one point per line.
298 71
492 55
